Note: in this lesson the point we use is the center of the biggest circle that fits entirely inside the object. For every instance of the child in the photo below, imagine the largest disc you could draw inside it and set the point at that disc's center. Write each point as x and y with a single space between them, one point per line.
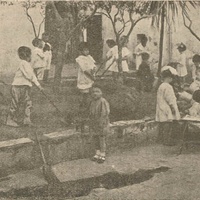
99 123
21 86
38 61
125 53
140 48
111 56
194 111
166 108
196 66
86 69
48 55
196 83
182 62
144 74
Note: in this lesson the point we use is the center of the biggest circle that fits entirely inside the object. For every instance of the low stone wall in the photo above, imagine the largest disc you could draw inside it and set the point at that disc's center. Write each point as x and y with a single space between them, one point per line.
21 154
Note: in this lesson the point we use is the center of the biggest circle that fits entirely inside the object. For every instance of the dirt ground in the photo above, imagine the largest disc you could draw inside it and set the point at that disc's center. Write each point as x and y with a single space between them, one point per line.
47 120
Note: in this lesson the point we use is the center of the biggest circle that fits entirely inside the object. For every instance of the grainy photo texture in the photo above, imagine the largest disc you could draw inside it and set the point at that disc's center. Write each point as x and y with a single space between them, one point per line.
99 100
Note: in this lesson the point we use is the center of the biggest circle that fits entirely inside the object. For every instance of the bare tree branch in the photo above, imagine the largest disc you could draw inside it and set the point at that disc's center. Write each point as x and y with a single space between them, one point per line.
123 21
102 13
27 7
113 24
39 29
80 23
189 27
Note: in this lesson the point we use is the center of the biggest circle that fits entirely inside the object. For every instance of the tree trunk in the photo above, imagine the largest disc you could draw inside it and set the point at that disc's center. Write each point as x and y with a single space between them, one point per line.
161 43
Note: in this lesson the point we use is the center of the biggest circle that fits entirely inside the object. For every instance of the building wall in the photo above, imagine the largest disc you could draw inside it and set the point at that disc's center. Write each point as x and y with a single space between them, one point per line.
172 37
15 31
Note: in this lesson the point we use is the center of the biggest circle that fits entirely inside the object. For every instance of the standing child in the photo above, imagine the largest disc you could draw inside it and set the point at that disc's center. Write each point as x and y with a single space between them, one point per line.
182 63
166 108
21 87
99 123
48 56
111 56
196 66
38 61
196 83
86 70
144 74
125 53
140 48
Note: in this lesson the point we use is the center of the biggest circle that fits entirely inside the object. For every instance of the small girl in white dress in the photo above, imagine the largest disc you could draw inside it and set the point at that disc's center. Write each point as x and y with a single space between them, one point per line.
166 108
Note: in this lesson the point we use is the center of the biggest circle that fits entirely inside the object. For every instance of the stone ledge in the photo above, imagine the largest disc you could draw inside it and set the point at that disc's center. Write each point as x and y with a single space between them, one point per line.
59 135
15 143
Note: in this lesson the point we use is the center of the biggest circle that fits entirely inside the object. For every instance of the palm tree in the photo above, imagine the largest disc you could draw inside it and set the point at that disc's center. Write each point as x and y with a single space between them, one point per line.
167 12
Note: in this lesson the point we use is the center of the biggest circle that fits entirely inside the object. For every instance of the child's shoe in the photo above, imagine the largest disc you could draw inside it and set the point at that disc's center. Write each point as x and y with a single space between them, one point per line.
101 159
97 155
95 158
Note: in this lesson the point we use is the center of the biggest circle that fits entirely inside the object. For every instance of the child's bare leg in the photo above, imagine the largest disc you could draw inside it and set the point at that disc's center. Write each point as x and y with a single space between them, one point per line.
96 141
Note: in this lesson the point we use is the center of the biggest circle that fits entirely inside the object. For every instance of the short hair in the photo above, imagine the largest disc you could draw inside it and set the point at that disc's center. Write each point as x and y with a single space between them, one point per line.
46 48
83 45
24 52
145 56
36 41
144 38
111 42
182 47
196 58
167 73
196 96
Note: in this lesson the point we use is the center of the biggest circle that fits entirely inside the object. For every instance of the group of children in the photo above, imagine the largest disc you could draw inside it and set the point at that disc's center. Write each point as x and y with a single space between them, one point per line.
33 67
172 94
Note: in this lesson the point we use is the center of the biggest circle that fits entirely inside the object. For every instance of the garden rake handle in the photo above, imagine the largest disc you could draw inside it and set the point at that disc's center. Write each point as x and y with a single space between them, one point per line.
107 69
41 150
52 103
99 68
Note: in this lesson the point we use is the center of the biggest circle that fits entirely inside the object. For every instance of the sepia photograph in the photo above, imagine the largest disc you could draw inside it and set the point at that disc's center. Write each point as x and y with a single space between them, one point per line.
99 100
